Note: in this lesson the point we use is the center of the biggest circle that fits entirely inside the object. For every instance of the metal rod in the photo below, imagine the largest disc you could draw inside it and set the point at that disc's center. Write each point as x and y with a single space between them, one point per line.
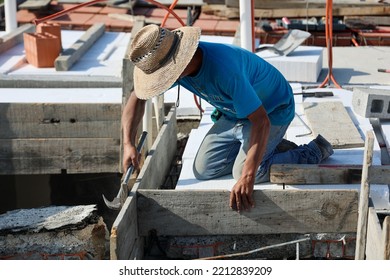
256 250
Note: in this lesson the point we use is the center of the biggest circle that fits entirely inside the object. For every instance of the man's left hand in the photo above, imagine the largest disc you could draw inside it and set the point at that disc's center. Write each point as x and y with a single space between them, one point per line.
241 196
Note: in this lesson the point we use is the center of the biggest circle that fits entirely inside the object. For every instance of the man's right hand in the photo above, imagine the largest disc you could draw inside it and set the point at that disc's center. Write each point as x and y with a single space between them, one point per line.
130 157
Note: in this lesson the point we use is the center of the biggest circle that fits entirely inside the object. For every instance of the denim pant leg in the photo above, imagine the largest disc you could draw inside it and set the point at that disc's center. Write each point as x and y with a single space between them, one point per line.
303 154
224 149
276 135
218 151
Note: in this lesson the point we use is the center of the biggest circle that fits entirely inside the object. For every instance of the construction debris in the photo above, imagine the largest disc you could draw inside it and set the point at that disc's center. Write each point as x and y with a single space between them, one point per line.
73 232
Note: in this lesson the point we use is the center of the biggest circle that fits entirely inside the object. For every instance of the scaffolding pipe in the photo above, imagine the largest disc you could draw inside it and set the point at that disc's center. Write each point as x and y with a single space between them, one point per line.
11 22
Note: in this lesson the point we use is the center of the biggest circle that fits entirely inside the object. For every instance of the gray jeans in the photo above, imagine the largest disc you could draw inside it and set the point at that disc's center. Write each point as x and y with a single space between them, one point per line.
224 148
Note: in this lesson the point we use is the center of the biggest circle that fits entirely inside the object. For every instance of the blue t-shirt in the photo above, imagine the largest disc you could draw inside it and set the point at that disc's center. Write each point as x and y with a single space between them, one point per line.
237 82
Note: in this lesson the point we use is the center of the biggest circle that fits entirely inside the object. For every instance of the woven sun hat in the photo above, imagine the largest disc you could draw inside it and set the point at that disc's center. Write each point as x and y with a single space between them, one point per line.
160 56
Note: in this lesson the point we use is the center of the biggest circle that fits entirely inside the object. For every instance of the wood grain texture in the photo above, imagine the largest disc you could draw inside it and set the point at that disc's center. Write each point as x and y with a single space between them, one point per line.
184 213
332 121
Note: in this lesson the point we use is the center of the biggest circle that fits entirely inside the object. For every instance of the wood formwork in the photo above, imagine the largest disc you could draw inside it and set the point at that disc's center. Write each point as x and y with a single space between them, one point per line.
206 213
372 236
125 242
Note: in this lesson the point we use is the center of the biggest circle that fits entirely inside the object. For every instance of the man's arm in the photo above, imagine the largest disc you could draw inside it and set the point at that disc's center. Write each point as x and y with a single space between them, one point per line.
241 194
131 117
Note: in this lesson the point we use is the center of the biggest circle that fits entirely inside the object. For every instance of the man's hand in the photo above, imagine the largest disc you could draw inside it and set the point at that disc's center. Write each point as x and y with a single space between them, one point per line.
241 195
130 157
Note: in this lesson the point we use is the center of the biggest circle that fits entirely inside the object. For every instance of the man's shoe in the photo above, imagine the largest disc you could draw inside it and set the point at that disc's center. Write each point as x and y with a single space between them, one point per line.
324 146
285 145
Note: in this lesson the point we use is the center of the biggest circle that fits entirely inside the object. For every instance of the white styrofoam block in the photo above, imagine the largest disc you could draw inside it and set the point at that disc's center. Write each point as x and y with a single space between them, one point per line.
61 95
104 58
303 65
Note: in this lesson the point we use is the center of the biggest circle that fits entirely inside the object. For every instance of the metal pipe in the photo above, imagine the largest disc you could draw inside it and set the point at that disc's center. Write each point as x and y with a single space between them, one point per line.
246 25
257 250
11 22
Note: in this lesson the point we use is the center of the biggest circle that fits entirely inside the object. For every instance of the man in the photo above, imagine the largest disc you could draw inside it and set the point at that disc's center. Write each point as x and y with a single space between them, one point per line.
255 100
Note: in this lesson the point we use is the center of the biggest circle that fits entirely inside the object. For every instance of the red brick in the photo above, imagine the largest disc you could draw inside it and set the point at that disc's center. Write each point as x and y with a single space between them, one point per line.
207 26
205 16
112 10
159 12
74 19
24 16
85 10
228 28
111 24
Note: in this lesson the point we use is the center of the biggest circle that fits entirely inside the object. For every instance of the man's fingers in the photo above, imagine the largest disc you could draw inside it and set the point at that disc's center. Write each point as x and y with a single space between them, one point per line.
245 202
241 201
235 201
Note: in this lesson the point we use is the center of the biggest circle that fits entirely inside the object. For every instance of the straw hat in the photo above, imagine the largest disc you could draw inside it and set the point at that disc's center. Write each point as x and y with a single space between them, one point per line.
160 56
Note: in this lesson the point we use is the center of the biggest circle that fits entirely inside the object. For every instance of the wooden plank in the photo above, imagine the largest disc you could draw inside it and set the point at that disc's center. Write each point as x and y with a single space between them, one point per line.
124 231
267 4
70 56
234 13
34 4
331 120
315 174
161 155
51 156
15 37
386 238
298 174
361 236
181 213
42 120
138 249
152 175
374 246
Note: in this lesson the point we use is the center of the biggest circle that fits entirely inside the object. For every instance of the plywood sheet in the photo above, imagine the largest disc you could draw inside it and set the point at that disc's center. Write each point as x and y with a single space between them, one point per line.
332 121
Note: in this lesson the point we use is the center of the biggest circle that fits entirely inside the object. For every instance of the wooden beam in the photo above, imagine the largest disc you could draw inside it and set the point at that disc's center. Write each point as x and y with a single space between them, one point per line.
70 56
183 213
261 4
124 232
15 37
124 242
361 236
386 238
34 4
34 120
160 156
374 247
52 156
234 13
331 120
316 174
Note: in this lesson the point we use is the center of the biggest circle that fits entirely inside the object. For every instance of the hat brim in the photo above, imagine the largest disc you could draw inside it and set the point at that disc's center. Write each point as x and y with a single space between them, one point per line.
147 86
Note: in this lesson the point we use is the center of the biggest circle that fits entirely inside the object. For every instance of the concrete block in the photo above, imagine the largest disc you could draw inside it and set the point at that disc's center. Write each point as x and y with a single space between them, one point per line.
371 102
